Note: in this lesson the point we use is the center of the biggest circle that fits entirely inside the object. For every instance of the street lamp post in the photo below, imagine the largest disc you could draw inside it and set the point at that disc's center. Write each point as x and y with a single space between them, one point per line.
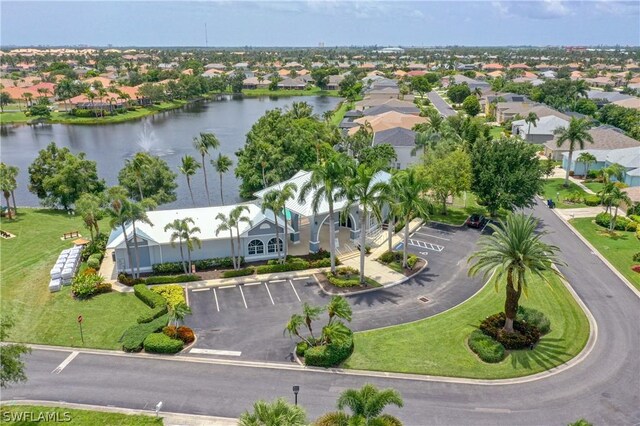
296 389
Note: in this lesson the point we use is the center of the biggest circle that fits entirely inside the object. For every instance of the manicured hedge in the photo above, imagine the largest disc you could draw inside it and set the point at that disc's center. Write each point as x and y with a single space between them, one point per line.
485 347
172 294
397 256
283 267
160 343
534 317
622 223
592 200
170 279
347 277
133 337
168 268
526 334
177 268
150 298
238 273
152 314
129 280
329 355
93 262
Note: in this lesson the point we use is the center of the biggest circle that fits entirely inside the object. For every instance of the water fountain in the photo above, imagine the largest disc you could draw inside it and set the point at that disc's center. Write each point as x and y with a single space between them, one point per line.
148 141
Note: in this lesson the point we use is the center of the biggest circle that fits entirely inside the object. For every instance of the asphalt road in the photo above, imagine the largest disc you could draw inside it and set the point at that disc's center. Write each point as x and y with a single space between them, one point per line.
604 388
440 104
259 311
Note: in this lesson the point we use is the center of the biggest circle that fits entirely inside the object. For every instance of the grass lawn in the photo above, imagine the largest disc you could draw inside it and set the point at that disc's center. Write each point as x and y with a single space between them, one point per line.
595 186
314 91
20 415
496 132
438 345
457 212
618 249
554 186
50 318
338 114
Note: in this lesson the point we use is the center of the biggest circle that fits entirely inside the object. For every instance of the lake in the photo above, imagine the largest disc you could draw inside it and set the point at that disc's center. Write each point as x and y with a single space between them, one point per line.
169 135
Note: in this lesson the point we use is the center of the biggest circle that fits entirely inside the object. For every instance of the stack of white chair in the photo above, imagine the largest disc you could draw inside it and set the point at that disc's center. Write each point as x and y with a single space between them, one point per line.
65 268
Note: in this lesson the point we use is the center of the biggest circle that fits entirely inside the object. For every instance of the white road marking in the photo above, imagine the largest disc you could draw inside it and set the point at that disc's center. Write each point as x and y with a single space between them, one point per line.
243 299
250 284
492 410
425 245
215 295
433 236
272 302
227 286
294 290
277 281
214 352
66 362
200 289
424 252
302 278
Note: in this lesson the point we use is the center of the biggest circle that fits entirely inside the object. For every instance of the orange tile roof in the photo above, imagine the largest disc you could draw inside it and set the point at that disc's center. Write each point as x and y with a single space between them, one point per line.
519 66
492 66
389 120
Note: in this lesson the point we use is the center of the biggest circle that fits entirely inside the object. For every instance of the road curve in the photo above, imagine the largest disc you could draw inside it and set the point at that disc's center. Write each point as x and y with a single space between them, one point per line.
604 388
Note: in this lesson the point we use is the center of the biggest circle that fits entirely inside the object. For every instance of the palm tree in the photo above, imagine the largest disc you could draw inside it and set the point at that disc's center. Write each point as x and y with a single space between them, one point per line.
203 144
577 133
276 200
179 228
137 213
364 191
188 236
293 327
178 313
587 158
366 405
28 97
188 168
309 314
118 216
8 184
408 191
531 118
277 413
514 250
227 224
335 332
327 182
139 164
605 195
338 307
221 165
89 207
616 197
237 216
300 110
614 170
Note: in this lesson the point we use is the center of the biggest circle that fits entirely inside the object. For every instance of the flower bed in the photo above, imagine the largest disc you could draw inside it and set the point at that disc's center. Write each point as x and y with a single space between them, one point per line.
349 277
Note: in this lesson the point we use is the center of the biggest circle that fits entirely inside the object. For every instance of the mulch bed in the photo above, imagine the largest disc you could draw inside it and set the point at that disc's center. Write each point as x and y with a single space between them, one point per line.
330 288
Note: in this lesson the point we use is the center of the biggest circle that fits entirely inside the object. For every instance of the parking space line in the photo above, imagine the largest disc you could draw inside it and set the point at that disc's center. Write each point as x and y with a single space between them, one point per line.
215 295
66 362
200 289
277 281
425 245
267 286
302 278
227 286
243 299
250 284
294 290
432 236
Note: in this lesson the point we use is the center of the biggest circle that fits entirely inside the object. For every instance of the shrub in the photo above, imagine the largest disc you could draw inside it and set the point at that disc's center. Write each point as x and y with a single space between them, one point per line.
89 271
172 294
592 174
636 268
524 336
84 286
150 298
592 200
186 334
93 263
301 348
535 318
485 347
129 280
636 257
238 273
133 337
103 288
218 262
153 314
329 355
170 279
389 256
84 113
322 263
397 257
622 223
347 277
160 343
97 246
411 261
634 209
171 331
297 265
168 268
634 217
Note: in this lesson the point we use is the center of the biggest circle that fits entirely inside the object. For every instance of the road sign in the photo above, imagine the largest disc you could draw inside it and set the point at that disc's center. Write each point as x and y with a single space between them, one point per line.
80 318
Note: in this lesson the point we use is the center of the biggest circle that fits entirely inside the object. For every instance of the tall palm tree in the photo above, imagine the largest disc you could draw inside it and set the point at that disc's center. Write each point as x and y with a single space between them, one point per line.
576 134
203 144
531 118
271 202
140 165
222 164
119 216
188 168
362 190
89 207
276 413
587 159
8 184
327 183
605 195
179 228
410 201
616 197
366 405
188 237
137 213
226 224
516 252
237 216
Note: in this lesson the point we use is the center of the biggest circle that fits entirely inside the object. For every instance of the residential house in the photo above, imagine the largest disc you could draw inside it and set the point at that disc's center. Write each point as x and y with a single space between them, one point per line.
374 102
604 138
540 132
255 83
506 111
492 67
297 83
460 79
334 82
403 142
388 120
629 158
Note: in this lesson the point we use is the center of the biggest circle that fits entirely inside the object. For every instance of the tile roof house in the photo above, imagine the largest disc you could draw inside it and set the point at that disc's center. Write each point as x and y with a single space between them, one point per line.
604 138
460 79
373 102
506 111
540 132
381 109
633 103
403 142
628 158
492 67
388 120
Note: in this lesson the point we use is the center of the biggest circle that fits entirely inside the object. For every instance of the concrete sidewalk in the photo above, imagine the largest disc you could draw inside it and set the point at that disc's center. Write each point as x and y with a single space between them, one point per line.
569 214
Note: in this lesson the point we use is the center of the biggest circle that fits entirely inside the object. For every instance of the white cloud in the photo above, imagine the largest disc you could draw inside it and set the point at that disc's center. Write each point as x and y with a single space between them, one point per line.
545 9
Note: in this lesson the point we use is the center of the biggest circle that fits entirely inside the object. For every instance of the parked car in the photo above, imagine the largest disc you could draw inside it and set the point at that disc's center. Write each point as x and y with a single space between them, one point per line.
475 221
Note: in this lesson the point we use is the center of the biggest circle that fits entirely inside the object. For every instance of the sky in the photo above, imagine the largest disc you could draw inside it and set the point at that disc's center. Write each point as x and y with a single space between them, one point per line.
309 23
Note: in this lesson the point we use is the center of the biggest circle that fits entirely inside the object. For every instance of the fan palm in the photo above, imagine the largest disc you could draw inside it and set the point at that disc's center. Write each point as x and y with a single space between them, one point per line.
277 413
222 164
203 144
226 224
188 168
178 313
576 134
338 307
327 183
516 252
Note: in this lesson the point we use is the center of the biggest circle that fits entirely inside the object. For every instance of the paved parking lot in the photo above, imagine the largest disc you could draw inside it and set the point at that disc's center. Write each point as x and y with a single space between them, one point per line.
248 320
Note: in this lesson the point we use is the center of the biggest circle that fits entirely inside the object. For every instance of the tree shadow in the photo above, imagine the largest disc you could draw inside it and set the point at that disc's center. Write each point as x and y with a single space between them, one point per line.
546 354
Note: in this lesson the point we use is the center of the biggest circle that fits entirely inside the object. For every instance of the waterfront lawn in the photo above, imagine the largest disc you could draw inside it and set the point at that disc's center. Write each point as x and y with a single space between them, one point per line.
552 187
313 91
29 415
618 248
50 318
438 345
338 114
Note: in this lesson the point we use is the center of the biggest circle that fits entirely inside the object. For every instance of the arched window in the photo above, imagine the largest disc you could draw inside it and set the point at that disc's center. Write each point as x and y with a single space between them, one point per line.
271 246
256 247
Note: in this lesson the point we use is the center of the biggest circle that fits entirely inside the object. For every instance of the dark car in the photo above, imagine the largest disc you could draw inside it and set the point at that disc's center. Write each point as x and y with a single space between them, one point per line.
475 221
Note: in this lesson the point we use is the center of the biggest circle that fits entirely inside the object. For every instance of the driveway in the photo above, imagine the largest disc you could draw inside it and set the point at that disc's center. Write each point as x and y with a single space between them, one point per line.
247 321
